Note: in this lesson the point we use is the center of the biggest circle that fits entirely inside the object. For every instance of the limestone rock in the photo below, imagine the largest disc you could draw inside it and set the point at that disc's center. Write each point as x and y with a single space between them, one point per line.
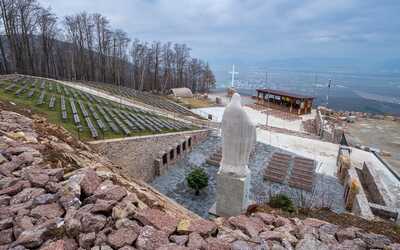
266 218
57 245
123 210
281 221
12 190
108 191
247 225
87 240
127 248
158 219
4 200
44 199
103 206
347 234
374 240
122 237
310 244
172 246
22 223
180 240
38 177
151 238
356 244
214 244
314 222
126 223
92 223
31 238
72 224
242 245
196 241
47 211
6 223
6 236
90 182
201 226
26 195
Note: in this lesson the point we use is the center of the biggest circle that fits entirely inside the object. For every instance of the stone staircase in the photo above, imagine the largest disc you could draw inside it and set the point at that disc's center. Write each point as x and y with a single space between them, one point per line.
215 158
297 172
302 175
278 168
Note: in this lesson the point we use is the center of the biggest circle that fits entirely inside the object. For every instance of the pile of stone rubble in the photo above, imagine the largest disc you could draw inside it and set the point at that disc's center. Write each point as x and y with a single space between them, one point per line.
47 206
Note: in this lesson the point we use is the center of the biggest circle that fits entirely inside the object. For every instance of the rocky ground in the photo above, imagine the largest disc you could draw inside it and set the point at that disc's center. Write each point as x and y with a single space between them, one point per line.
56 193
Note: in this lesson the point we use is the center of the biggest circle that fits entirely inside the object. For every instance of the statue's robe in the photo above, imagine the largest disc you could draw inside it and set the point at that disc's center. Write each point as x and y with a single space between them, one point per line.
239 135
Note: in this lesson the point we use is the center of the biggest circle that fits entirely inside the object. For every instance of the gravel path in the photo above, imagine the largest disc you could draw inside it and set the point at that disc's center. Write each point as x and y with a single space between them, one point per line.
327 191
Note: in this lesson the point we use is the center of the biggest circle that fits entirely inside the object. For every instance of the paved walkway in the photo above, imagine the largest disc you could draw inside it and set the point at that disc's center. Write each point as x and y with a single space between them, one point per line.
327 192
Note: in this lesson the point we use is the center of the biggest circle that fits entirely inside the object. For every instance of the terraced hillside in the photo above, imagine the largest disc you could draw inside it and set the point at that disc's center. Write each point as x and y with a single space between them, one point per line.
85 115
143 97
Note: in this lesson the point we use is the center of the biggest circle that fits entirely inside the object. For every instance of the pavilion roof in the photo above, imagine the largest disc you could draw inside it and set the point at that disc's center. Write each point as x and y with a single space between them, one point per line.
284 93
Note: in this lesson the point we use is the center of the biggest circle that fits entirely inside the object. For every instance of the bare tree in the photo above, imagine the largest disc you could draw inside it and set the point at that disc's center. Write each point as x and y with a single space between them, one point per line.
85 47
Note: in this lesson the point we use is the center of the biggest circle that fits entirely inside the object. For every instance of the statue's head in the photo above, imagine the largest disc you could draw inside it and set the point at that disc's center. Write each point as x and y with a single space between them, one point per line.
235 101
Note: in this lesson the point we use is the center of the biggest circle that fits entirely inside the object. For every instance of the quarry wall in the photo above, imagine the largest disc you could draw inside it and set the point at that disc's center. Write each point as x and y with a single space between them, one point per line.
137 155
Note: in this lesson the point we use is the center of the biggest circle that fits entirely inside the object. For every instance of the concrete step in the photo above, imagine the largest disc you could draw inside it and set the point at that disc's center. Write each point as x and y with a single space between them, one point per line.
283 163
274 178
303 171
215 158
302 176
295 179
277 169
303 164
275 172
213 163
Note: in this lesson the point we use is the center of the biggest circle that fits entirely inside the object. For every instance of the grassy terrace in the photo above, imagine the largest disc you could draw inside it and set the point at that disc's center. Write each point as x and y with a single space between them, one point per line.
148 98
104 119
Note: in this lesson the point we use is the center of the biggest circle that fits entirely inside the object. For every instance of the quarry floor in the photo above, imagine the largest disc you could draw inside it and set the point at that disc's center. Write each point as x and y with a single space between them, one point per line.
327 191
380 134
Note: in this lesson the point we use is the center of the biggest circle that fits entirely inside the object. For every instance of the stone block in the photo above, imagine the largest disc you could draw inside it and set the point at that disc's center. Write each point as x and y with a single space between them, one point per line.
232 194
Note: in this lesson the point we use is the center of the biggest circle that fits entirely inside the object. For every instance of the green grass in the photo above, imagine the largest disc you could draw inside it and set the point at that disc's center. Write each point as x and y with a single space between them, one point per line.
54 116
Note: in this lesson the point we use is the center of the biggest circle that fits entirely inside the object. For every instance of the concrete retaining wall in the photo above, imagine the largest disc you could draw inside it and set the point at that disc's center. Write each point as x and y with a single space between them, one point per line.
137 155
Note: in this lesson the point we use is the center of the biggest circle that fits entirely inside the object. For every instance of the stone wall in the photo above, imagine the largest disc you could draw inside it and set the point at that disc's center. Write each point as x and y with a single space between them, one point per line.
137 155
327 131
354 195
371 183
365 194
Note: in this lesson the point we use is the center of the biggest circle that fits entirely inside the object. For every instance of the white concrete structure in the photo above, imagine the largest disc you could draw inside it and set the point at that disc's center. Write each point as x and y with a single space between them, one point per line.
233 179
182 92
258 117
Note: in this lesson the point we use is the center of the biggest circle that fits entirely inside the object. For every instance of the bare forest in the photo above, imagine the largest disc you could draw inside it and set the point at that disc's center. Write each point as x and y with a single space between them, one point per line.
84 46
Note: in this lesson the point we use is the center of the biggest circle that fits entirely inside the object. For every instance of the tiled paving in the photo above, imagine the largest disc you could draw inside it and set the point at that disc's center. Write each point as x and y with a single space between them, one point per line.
297 172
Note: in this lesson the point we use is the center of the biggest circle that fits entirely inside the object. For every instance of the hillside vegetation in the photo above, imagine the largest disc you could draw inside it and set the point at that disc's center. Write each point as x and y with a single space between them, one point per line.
86 47
85 116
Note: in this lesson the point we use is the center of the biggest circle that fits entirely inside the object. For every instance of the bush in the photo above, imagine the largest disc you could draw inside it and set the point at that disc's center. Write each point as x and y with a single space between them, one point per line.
283 202
197 179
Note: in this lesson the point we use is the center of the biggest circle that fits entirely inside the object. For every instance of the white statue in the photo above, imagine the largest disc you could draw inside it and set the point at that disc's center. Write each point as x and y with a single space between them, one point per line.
233 178
238 135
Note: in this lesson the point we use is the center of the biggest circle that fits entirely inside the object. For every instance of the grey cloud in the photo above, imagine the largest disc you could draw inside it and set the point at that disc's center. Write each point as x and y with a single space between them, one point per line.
220 30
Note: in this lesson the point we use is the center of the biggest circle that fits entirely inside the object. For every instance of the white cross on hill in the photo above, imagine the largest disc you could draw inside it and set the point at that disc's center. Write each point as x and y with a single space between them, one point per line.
233 72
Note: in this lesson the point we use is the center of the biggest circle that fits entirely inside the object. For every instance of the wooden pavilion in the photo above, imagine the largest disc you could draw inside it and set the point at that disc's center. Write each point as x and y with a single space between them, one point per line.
286 101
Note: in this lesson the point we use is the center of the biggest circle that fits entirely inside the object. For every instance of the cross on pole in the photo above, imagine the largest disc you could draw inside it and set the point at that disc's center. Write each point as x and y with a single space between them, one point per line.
233 72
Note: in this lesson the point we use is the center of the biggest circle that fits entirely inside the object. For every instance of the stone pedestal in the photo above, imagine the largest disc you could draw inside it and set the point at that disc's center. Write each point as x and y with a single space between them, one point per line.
232 194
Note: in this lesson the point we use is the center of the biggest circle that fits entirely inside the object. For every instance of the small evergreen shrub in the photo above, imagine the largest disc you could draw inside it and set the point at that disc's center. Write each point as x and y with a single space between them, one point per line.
197 179
283 202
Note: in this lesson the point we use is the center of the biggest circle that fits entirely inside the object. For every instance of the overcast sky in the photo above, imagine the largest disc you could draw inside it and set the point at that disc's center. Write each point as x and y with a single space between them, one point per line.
224 30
